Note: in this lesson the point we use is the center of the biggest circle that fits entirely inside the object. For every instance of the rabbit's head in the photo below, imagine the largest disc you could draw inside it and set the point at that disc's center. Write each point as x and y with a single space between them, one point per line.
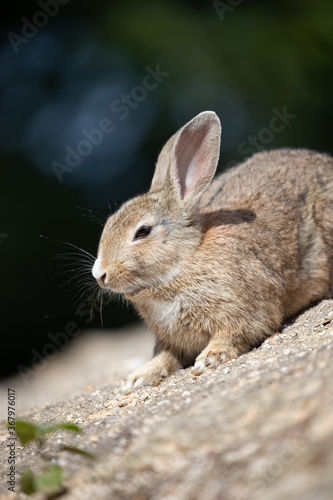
144 243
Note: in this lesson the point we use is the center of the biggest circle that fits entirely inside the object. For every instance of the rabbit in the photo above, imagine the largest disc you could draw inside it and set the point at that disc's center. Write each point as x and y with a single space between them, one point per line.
214 267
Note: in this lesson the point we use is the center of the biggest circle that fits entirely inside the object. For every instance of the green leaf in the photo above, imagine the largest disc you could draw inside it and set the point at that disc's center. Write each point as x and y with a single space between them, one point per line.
74 449
29 431
50 481
47 429
67 426
27 482
26 431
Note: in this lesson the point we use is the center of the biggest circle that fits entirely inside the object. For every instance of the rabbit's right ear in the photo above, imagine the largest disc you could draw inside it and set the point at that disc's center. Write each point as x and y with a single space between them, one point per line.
188 161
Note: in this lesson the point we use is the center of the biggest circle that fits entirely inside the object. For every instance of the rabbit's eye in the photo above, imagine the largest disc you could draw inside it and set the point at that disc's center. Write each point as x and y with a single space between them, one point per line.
142 232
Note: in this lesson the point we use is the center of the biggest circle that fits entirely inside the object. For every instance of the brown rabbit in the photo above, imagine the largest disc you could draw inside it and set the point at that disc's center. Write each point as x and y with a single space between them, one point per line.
215 270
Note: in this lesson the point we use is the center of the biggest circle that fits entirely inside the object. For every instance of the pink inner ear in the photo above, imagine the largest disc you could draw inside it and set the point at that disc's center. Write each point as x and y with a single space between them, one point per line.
191 157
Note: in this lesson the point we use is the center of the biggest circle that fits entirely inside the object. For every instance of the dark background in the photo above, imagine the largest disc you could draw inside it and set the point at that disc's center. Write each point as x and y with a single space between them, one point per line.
243 61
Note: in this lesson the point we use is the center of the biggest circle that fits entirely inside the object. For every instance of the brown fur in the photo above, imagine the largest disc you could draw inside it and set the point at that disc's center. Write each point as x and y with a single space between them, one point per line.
225 263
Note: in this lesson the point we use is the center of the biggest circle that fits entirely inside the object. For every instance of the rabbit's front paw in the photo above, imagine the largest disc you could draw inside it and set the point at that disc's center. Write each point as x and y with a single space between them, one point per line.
150 374
212 357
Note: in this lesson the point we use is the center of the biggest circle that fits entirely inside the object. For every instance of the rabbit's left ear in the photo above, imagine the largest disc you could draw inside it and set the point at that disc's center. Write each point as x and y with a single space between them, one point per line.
163 165
195 155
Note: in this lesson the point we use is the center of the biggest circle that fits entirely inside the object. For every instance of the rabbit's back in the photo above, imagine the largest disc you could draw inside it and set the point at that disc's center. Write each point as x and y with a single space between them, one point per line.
278 205
280 175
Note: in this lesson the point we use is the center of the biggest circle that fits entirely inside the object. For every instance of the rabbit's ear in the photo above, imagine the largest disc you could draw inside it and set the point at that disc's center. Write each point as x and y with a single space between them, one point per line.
163 165
187 162
195 155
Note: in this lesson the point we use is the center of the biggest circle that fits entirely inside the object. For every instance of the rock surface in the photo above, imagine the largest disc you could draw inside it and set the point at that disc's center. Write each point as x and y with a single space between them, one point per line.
259 427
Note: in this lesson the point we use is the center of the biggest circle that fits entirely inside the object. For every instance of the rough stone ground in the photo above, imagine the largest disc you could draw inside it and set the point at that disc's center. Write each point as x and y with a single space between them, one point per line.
259 427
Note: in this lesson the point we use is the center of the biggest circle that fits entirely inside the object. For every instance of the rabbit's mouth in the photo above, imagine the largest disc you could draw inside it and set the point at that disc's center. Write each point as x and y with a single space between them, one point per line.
132 285
127 290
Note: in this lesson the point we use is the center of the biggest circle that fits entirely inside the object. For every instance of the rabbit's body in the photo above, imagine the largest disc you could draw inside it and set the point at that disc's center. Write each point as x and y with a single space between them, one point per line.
228 264
262 258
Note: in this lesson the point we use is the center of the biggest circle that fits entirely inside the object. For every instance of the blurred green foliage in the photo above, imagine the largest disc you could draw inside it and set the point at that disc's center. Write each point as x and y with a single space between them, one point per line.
30 431
48 481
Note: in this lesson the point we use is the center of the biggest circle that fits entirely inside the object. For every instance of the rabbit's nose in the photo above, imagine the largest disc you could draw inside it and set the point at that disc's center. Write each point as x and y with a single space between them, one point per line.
98 271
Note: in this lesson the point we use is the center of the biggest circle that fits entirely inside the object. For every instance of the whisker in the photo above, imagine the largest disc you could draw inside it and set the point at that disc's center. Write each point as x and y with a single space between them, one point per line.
92 215
103 217
91 219
103 192
73 255
57 313
83 288
74 267
78 280
101 295
67 243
